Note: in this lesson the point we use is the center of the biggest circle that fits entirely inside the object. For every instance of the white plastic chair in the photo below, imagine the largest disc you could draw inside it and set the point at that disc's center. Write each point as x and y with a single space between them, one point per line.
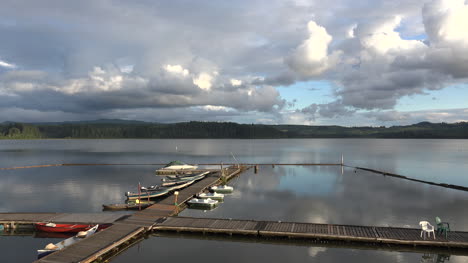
427 228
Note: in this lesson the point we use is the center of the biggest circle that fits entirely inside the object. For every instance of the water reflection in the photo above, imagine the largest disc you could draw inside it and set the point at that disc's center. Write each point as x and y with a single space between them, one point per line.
244 249
435 258
437 160
317 194
320 194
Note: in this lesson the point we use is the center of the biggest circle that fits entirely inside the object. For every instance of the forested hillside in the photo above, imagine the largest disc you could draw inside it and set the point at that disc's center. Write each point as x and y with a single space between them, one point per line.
131 129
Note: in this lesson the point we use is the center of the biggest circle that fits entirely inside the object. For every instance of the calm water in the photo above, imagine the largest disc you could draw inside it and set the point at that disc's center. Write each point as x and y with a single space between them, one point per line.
287 193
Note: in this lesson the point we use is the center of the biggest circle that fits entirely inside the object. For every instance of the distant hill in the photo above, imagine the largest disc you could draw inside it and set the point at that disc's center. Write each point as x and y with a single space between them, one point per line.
114 128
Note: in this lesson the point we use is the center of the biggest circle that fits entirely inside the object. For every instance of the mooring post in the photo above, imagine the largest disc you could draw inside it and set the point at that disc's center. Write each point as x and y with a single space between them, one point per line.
342 160
256 168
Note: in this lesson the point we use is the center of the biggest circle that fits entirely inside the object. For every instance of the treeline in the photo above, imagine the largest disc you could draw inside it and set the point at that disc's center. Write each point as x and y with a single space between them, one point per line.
138 130
218 130
419 130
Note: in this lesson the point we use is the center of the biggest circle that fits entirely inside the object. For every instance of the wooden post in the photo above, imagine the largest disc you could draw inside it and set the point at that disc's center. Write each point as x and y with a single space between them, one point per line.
342 160
256 168
176 193
139 194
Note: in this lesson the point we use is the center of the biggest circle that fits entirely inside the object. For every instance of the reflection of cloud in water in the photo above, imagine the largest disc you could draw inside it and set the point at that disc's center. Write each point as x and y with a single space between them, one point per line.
353 198
67 189
314 251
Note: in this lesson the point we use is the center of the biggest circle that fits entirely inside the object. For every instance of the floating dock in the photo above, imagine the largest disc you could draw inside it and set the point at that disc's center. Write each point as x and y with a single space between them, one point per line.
130 229
373 235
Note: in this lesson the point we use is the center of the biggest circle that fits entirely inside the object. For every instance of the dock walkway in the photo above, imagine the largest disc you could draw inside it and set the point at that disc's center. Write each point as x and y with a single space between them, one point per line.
269 229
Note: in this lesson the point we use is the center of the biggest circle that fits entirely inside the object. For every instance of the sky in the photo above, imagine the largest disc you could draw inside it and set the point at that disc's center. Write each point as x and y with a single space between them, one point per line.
336 62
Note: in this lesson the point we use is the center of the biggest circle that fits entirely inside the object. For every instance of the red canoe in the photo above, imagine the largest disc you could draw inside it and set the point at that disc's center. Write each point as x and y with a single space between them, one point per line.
71 228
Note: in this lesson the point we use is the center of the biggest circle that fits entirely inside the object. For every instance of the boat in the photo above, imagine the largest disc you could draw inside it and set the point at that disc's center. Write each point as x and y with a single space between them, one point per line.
151 188
169 181
54 228
175 166
148 194
181 185
51 248
185 176
214 196
129 206
202 203
222 189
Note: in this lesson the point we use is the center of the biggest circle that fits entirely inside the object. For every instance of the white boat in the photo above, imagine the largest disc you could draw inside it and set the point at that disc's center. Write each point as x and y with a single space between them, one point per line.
214 196
184 176
51 248
226 189
176 166
202 203
168 181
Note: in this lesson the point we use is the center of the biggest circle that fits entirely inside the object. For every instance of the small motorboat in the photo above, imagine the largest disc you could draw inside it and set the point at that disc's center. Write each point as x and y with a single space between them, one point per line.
185 176
225 189
175 166
177 179
52 227
129 205
51 248
214 196
151 188
148 194
202 203
182 185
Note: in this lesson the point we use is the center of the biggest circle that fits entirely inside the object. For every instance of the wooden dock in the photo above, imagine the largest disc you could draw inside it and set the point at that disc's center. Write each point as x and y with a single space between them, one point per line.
373 235
126 231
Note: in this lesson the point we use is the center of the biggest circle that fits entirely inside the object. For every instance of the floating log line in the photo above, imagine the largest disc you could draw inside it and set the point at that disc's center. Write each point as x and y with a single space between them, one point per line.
161 164
451 186
31 166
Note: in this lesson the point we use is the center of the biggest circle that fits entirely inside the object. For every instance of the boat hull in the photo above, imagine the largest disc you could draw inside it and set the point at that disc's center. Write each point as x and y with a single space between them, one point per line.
146 195
67 242
222 190
212 197
127 206
60 228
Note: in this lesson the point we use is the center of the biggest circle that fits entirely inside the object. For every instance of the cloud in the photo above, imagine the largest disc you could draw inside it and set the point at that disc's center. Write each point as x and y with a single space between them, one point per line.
236 82
203 81
107 57
177 69
446 22
7 65
393 117
311 57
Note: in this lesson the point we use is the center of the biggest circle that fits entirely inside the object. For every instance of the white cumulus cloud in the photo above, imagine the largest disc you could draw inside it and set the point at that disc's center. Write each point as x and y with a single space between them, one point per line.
236 82
311 57
203 81
176 69
5 64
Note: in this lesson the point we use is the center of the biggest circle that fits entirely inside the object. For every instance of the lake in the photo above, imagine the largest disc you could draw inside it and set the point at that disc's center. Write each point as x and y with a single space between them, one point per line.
317 194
